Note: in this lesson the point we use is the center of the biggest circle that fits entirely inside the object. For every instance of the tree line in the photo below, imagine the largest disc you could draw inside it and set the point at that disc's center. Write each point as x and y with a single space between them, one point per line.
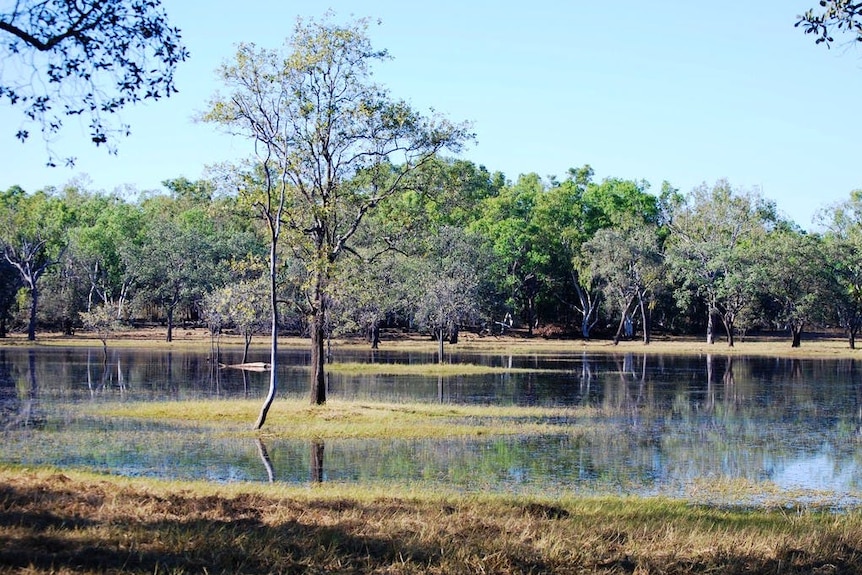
460 248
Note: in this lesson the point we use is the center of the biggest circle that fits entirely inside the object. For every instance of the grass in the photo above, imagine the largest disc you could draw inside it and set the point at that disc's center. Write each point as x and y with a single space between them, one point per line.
52 522
814 346
296 419
424 369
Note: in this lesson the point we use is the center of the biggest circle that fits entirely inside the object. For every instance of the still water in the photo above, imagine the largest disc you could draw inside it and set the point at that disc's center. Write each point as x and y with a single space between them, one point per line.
706 428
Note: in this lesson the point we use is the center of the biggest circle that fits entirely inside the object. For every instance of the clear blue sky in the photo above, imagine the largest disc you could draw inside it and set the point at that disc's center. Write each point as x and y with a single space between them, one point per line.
687 92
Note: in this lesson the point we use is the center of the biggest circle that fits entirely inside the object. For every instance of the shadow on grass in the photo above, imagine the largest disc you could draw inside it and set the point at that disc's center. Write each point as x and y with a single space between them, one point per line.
50 528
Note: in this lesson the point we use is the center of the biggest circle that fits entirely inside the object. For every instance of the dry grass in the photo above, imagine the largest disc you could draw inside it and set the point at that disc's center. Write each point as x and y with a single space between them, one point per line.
829 346
75 523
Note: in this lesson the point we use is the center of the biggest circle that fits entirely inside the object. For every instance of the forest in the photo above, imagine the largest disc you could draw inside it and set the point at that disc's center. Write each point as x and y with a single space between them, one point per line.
458 248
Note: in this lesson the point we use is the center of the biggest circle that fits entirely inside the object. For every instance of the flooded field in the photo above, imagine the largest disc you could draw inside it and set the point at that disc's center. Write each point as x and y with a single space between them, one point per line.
701 427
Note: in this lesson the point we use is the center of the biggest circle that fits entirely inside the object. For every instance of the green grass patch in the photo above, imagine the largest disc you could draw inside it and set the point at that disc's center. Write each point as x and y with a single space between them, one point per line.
424 369
296 419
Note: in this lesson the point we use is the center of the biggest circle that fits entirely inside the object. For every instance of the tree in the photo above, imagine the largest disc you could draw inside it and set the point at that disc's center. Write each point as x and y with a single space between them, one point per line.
180 258
845 16
571 213
32 235
241 305
843 242
85 58
447 283
97 247
794 274
509 228
102 320
714 233
328 141
631 267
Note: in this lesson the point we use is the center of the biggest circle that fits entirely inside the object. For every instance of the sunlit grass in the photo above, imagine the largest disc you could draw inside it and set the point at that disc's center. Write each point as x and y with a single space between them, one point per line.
65 522
200 339
296 419
424 369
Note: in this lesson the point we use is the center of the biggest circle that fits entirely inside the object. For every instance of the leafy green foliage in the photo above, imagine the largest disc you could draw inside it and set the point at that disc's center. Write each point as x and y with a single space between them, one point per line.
331 145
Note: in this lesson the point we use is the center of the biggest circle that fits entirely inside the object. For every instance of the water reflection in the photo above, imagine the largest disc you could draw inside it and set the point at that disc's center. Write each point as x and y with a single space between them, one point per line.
661 424
267 462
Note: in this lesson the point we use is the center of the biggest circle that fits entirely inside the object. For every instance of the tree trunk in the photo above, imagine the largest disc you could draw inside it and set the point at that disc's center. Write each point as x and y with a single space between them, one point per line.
710 328
273 354
34 302
623 317
318 357
247 336
619 329
646 319
374 335
796 331
170 336
440 345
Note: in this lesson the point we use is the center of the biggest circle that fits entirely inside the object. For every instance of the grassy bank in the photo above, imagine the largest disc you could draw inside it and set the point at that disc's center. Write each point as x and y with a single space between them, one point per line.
68 522
826 346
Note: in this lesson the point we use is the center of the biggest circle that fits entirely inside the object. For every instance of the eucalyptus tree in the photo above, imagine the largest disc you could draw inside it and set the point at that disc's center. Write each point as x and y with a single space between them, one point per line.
85 58
572 213
561 217
631 266
33 238
843 243
794 274
330 145
714 234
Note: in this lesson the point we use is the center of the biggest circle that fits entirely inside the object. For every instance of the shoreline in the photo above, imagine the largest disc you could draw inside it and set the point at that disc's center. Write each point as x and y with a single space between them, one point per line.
815 346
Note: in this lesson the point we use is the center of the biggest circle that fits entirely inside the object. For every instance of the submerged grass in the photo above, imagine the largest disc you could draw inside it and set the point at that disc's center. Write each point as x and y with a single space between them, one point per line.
69 522
296 419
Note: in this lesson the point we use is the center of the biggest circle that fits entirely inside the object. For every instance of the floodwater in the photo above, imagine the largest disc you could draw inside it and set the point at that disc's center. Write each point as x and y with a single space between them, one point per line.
705 428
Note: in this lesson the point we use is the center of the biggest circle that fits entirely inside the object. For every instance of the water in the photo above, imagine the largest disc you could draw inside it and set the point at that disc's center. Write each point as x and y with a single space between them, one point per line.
706 428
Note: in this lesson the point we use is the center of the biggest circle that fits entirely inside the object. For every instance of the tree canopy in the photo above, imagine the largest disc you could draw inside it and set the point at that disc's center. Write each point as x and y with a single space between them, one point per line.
90 58
845 16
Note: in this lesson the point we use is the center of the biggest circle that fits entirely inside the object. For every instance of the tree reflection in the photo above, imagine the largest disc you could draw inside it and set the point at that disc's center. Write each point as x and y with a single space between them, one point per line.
317 448
267 462
18 407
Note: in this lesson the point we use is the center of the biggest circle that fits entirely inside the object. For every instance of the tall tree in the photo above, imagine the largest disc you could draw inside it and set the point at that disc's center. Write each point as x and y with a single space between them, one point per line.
712 232
85 58
508 225
33 236
446 289
843 242
795 276
326 139
631 266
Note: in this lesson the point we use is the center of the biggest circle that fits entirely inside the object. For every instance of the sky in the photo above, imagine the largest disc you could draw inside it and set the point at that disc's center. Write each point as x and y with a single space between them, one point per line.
668 90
